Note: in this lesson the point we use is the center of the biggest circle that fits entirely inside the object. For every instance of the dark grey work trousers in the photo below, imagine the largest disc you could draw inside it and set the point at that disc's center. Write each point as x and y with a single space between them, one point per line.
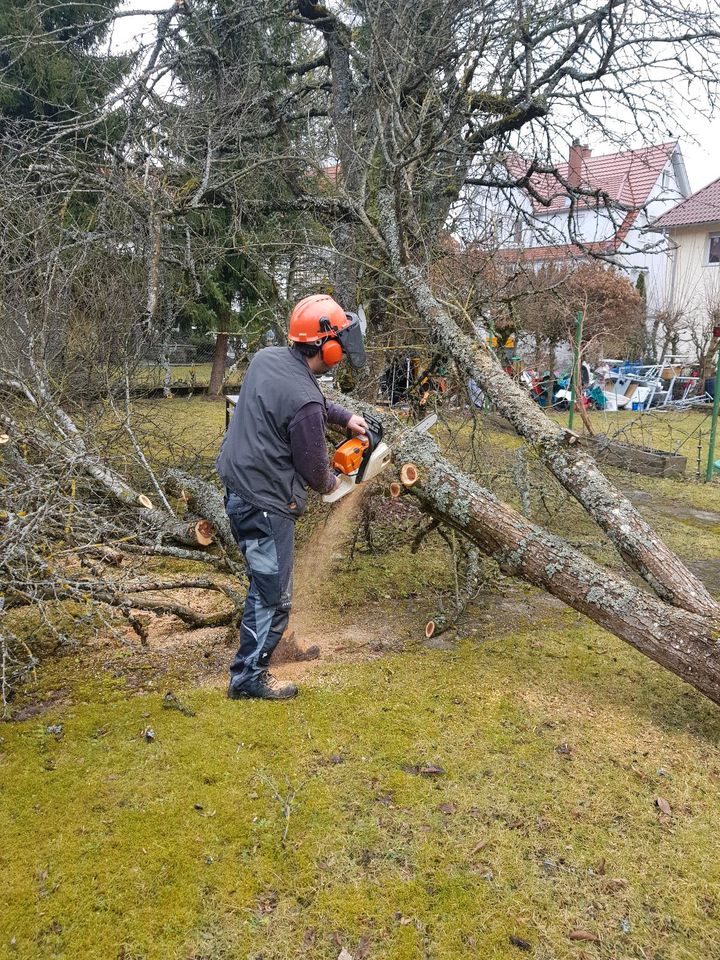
266 541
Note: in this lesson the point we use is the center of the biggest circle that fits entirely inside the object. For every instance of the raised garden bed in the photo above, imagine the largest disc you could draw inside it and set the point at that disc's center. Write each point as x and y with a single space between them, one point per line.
624 456
627 456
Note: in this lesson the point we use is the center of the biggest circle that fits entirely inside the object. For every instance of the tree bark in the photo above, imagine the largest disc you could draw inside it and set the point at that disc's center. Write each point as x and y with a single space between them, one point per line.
337 38
217 374
688 644
204 500
191 533
634 539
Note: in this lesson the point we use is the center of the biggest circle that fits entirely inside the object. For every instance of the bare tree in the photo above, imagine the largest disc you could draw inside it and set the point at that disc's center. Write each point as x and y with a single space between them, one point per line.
370 129
439 94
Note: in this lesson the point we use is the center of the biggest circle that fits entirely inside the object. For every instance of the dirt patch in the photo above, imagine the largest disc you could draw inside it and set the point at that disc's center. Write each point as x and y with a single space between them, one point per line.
36 708
204 654
709 572
312 589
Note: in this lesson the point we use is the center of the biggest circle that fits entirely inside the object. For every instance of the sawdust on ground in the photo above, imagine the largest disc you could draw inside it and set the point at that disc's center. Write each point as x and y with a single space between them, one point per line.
206 652
312 581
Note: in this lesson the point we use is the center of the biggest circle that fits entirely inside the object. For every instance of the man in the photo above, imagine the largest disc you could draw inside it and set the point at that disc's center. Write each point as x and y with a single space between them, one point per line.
274 447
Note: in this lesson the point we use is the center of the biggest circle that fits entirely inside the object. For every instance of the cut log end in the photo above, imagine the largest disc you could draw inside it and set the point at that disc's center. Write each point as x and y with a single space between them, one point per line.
570 437
395 490
408 474
436 626
145 502
204 533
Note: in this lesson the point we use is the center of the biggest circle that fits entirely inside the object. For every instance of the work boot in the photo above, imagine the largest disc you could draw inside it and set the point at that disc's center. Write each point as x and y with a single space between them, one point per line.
266 687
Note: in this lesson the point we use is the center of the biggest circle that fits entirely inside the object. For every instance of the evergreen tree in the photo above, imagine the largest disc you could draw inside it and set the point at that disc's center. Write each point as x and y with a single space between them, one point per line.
50 65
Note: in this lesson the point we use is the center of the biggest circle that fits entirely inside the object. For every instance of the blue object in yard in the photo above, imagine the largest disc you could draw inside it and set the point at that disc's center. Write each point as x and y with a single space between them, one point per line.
597 396
637 405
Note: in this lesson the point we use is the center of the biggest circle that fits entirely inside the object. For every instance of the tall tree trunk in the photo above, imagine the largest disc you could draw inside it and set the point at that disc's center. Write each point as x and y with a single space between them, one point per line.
344 232
634 539
686 643
217 374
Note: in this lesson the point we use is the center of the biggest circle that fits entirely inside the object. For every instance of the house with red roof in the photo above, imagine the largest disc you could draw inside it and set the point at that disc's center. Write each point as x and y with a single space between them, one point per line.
692 229
600 206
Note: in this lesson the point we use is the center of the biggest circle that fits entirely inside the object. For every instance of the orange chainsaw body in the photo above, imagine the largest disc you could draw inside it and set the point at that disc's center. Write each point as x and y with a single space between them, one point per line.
348 456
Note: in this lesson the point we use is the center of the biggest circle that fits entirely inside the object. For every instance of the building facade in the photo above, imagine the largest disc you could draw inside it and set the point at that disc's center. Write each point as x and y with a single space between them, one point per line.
604 206
692 231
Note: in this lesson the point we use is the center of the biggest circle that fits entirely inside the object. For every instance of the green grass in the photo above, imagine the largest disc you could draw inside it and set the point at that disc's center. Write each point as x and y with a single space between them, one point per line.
555 739
111 846
181 374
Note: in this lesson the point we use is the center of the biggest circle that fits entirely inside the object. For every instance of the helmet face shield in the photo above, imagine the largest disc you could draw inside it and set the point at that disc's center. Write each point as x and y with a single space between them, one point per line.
351 340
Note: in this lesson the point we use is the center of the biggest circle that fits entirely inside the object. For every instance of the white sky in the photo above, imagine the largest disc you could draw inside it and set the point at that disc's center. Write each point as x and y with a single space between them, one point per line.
699 142
702 159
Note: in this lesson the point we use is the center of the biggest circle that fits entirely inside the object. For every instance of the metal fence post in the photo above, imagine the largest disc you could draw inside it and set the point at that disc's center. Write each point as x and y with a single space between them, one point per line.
713 422
576 364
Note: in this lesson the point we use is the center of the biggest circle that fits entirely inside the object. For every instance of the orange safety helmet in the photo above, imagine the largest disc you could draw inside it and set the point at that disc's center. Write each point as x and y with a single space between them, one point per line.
318 320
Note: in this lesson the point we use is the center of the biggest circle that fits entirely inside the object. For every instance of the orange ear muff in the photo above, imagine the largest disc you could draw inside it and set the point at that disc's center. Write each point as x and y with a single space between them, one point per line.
331 352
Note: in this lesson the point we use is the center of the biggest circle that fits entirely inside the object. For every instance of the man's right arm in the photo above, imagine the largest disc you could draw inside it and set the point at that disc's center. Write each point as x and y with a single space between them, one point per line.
308 449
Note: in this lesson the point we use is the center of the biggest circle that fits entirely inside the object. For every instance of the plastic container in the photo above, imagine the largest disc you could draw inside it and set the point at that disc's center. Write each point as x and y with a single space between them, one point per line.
637 405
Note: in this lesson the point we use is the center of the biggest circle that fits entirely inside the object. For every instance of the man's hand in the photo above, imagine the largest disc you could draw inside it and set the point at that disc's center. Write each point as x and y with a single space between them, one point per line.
356 425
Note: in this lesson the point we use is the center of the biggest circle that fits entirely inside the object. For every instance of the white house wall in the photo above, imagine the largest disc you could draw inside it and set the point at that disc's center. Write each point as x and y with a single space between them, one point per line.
694 284
589 226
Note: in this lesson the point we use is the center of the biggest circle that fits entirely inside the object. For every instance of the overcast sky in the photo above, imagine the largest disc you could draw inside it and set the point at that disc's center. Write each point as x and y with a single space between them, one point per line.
702 160
700 142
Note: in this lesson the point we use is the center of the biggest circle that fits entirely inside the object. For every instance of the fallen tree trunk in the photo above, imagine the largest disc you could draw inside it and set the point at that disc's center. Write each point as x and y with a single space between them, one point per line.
191 533
177 553
196 532
635 540
688 644
71 449
205 500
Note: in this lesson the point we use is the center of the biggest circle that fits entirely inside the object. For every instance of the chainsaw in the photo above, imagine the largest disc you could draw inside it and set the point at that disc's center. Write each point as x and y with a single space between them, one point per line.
360 459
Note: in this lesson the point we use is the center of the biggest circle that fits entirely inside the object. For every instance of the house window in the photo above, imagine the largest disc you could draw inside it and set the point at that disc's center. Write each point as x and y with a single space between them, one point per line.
714 248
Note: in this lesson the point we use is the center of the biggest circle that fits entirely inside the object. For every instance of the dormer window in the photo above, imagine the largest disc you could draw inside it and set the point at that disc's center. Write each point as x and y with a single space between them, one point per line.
714 248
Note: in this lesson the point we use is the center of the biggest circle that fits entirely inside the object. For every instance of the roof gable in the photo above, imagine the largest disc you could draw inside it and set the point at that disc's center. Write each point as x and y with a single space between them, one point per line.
627 178
700 207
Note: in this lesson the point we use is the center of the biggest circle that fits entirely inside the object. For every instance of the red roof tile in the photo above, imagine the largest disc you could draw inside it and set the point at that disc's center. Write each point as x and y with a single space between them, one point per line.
626 177
700 207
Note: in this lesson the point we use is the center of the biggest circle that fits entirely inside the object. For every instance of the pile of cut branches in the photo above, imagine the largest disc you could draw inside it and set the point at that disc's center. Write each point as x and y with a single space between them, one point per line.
72 529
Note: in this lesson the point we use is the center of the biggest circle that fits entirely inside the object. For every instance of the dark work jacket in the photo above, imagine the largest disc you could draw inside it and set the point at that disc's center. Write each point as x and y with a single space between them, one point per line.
255 459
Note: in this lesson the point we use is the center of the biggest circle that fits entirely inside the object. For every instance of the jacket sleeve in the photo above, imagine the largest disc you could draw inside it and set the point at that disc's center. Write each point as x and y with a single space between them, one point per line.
337 414
308 449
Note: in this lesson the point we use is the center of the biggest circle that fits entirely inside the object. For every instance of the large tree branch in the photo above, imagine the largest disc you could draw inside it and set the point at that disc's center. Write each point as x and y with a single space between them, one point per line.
635 540
687 643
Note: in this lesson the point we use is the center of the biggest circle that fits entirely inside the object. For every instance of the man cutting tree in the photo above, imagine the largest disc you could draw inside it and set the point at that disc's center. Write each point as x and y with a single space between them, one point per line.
273 449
